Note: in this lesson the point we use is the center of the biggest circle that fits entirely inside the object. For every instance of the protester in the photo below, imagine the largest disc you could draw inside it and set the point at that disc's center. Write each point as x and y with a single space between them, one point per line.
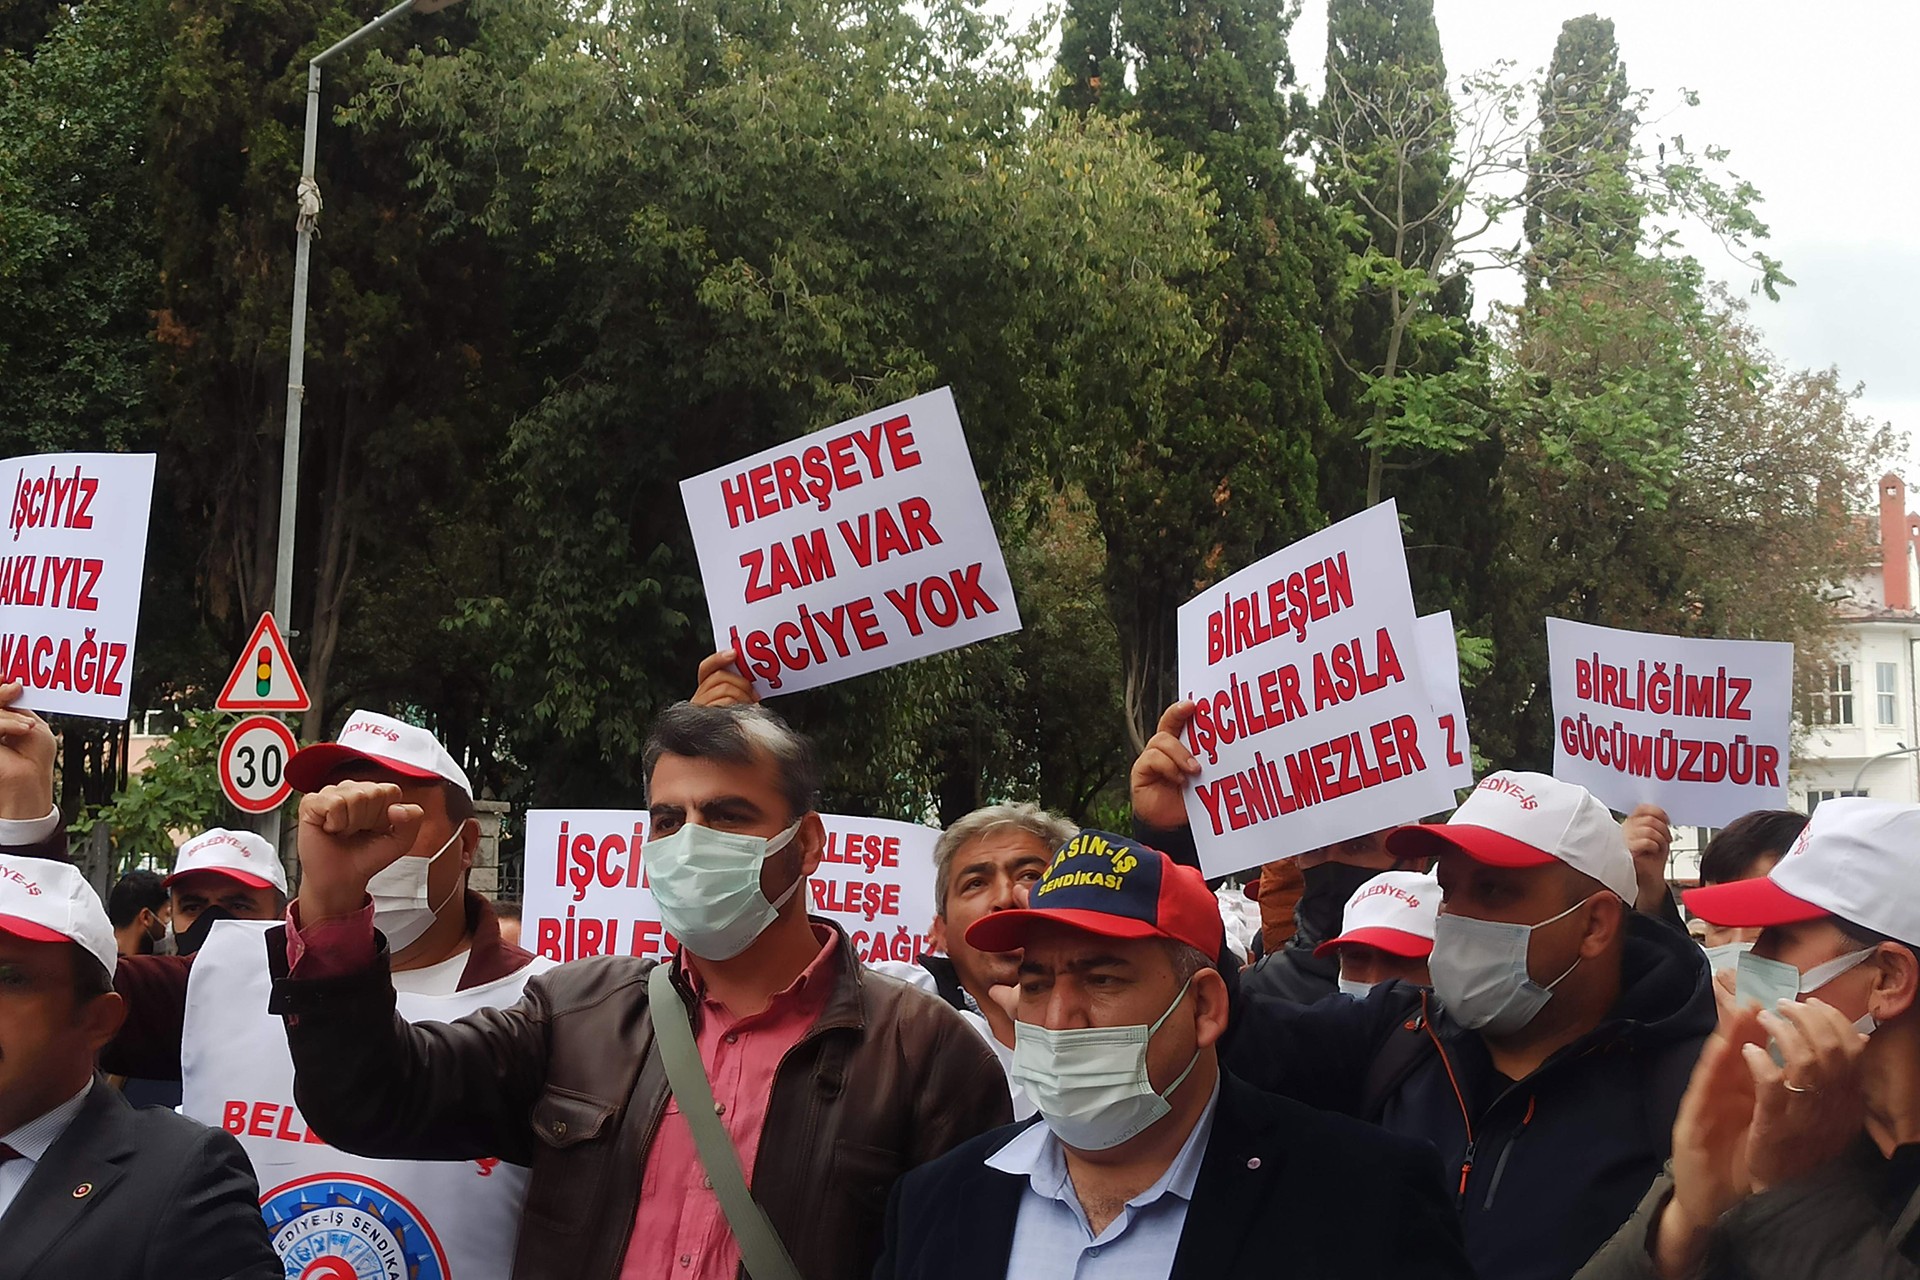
1303 969
1745 849
831 1080
507 912
1808 1167
1277 891
202 1019
223 875
1150 1160
1386 932
1548 1061
983 863
140 912
90 1187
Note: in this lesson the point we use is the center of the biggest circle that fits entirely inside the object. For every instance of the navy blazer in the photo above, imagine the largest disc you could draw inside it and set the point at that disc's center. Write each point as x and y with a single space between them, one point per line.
129 1194
1284 1190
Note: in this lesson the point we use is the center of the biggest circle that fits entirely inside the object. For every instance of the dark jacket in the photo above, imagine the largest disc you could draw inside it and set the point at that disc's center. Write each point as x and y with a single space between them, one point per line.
1283 1190
1546 1168
1293 973
568 1082
1837 1223
137 1195
155 990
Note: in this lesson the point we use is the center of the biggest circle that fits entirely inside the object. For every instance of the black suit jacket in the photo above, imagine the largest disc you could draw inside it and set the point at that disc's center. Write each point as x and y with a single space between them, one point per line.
129 1194
1284 1190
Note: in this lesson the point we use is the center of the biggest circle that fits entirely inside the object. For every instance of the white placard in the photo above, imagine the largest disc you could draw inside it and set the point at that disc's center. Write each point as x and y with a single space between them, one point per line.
586 890
70 575
856 548
1440 664
1314 722
1699 727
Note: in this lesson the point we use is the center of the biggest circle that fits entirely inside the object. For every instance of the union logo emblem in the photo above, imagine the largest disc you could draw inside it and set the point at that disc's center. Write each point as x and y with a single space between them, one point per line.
339 1226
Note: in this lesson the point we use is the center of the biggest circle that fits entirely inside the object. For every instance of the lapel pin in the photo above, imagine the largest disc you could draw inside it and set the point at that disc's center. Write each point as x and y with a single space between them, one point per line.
1254 1162
82 1191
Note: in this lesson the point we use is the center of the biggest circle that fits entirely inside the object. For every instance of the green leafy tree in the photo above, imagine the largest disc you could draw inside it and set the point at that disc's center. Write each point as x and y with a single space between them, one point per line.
729 225
174 797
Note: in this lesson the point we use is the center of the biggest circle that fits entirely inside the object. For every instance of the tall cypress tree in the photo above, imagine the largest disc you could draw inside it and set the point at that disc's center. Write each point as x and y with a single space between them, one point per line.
1580 194
1233 477
1387 133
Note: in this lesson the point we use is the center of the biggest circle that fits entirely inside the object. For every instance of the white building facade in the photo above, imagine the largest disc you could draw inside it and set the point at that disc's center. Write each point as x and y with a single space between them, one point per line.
1860 735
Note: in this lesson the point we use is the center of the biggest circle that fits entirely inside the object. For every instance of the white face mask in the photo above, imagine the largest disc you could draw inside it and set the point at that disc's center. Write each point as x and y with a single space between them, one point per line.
1479 970
1354 987
1766 982
707 886
401 908
1090 1083
1726 955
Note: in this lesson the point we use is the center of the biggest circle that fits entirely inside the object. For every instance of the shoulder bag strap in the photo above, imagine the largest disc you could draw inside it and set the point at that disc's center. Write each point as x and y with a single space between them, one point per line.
761 1250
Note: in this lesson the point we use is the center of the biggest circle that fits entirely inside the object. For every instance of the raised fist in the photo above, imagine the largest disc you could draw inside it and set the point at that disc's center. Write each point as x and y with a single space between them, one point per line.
349 832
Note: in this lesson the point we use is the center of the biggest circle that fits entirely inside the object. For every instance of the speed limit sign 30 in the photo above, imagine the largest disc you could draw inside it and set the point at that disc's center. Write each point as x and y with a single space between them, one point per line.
253 764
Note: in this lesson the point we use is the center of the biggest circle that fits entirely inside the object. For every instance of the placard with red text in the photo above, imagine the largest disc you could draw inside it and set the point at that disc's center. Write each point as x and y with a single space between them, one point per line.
75 556
1699 727
855 548
1440 663
1314 722
586 885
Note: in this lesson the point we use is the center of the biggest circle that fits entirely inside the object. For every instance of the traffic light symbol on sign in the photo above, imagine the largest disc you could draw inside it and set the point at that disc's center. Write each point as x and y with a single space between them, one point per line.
264 679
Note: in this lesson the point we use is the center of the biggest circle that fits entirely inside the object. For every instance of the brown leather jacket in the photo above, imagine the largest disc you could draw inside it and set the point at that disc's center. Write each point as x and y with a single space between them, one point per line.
568 1082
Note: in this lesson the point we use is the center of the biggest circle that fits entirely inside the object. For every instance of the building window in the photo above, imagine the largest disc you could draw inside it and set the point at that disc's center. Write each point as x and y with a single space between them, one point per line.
1814 798
1833 704
1885 681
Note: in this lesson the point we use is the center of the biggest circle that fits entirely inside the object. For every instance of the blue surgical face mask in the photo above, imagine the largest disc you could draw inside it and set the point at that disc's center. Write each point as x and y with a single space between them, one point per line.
1766 982
707 886
1354 987
1479 970
1726 955
1090 1083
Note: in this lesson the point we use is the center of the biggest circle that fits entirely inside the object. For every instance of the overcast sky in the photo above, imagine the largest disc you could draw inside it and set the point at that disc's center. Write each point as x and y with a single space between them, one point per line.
1816 101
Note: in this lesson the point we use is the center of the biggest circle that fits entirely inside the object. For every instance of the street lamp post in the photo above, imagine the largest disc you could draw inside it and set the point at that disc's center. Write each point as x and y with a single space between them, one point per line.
308 199
1884 755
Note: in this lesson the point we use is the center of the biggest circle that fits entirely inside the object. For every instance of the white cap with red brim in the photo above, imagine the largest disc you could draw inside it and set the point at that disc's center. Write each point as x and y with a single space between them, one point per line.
1394 912
42 901
1529 820
1857 858
371 738
238 855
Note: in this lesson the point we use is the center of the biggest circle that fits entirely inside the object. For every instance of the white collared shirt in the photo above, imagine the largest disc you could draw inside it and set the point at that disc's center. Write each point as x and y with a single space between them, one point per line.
1051 1234
31 1140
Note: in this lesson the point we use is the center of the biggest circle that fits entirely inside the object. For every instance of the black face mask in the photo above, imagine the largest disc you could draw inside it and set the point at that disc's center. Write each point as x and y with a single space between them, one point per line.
1328 886
189 942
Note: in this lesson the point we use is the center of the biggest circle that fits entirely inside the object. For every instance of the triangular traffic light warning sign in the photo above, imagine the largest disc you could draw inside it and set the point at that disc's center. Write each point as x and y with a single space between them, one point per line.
264 679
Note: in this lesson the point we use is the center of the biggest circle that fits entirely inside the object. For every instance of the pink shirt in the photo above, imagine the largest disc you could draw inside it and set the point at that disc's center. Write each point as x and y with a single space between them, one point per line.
680 1230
